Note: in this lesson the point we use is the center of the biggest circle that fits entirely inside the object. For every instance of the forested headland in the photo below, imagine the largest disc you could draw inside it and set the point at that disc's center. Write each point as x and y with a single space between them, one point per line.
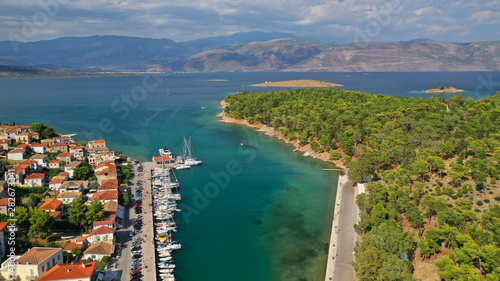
434 164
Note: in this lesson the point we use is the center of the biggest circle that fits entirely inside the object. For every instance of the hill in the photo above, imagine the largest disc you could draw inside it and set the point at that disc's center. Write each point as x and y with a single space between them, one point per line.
305 56
34 72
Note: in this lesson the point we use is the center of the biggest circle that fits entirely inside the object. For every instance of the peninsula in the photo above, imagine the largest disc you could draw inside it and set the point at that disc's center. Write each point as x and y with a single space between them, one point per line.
444 90
297 84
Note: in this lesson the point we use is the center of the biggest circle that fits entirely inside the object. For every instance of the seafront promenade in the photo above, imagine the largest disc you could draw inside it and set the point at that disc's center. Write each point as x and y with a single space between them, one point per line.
343 236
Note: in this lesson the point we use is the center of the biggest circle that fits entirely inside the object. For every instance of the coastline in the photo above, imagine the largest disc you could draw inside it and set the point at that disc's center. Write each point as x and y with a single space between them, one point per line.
341 182
270 131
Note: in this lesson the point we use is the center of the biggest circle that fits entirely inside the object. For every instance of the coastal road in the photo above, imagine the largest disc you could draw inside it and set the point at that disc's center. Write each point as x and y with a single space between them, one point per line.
346 235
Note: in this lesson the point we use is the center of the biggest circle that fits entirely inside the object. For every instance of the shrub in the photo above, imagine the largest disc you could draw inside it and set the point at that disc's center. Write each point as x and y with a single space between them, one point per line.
335 155
477 210
497 198
479 203
487 201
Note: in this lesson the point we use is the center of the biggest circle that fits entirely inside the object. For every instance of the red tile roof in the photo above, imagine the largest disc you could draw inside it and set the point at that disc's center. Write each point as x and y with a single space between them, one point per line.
103 222
101 248
62 174
4 141
4 201
159 158
36 176
55 161
99 141
3 225
58 144
55 181
75 147
68 246
22 145
109 184
37 255
17 151
69 271
65 154
55 214
102 230
38 145
51 204
105 195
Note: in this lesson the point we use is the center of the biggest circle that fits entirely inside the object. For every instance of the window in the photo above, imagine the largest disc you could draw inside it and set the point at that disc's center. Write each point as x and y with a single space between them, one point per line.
43 268
31 272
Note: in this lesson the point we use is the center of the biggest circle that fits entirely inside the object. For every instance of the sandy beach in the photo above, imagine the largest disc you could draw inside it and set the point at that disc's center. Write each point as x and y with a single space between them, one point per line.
446 90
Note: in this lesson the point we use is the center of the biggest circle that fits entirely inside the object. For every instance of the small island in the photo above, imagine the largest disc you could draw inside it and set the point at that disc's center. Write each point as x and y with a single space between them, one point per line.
297 83
218 80
443 90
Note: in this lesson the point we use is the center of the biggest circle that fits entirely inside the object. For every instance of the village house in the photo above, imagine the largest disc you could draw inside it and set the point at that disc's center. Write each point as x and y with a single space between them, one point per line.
70 167
12 132
99 234
160 160
104 196
41 159
47 142
101 157
98 251
108 223
33 264
78 151
38 148
25 137
62 176
96 144
35 179
68 197
22 146
55 164
108 185
16 154
80 271
54 207
71 186
55 183
65 157
4 143
4 205
113 211
60 146
36 135
65 140
105 171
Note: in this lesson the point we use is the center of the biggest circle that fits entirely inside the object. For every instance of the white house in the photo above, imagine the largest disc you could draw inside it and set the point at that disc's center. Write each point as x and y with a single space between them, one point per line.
35 179
42 159
68 197
98 251
39 148
80 271
103 233
16 154
34 263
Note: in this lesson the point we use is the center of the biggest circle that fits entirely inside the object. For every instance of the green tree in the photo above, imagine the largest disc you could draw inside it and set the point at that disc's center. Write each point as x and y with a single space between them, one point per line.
22 217
42 223
419 168
76 211
94 212
83 172
369 258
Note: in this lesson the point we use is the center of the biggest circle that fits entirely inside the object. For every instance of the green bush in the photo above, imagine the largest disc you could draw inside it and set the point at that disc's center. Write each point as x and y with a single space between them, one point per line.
335 155
497 198
479 203
487 201
477 210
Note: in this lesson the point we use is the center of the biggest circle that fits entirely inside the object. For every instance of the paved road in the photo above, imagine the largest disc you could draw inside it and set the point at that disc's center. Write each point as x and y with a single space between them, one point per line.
346 235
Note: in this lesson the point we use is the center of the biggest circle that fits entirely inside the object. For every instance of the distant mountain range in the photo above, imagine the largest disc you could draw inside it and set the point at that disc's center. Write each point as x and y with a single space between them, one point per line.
251 51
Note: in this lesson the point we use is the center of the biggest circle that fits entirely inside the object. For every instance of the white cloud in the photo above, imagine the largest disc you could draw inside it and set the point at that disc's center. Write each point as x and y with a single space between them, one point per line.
485 17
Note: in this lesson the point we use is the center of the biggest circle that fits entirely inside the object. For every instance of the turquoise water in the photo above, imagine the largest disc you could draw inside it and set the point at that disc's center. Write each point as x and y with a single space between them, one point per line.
251 212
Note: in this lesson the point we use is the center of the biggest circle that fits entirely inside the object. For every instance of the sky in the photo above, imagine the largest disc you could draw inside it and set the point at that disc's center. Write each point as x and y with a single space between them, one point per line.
333 21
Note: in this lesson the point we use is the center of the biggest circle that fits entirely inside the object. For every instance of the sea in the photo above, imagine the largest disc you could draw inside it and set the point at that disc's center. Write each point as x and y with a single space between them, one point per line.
254 210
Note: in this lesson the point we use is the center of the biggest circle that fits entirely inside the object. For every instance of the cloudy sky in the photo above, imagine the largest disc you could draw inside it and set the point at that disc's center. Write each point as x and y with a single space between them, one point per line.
182 20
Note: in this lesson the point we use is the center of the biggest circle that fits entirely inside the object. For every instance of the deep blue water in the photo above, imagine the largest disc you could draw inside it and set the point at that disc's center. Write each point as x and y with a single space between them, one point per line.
252 212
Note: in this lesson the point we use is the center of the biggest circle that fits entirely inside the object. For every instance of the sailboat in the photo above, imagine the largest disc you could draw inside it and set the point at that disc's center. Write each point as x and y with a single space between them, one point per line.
189 155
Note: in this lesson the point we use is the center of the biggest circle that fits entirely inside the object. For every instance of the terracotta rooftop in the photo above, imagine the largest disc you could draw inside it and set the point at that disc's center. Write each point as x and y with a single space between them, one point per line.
99 141
159 158
36 176
55 161
63 174
56 181
38 156
59 144
96 223
3 224
69 194
68 271
22 145
105 195
37 255
17 151
38 145
65 154
4 201
55 214
68 246
4 140
102 230
51 204
109 184
101 248
75 147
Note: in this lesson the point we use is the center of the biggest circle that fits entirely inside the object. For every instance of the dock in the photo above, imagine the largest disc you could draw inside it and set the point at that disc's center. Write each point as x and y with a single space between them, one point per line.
148 246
